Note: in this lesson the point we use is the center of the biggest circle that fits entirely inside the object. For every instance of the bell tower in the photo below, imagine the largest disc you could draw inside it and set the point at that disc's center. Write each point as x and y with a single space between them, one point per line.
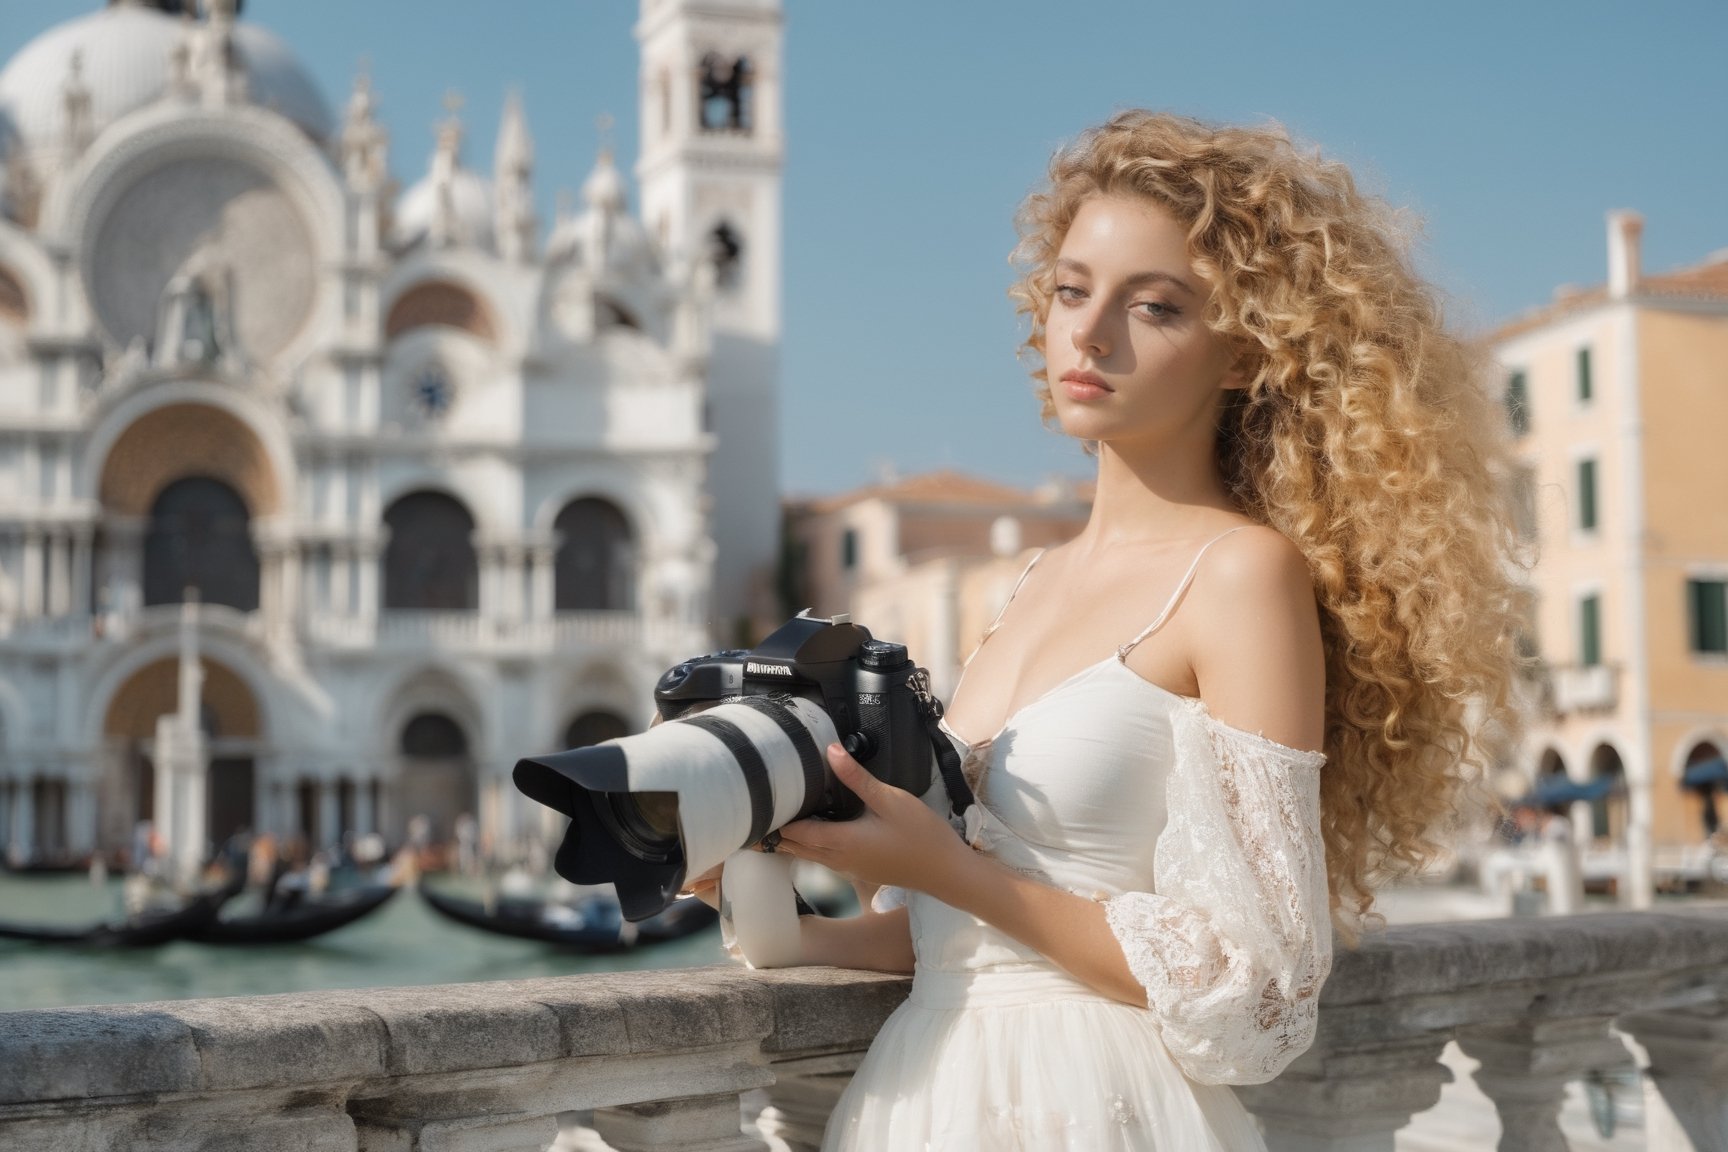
709 173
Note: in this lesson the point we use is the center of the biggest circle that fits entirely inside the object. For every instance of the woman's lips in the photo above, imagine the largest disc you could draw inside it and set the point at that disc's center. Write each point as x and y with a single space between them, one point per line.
1084 385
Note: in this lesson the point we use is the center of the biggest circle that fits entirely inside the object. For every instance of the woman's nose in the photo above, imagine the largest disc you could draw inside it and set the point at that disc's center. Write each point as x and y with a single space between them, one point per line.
1088 334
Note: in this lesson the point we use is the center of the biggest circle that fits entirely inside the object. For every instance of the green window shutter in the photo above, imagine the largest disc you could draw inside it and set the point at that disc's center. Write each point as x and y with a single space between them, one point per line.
849 549
1587 495
1709 603
1584 384
1518 404
1590 631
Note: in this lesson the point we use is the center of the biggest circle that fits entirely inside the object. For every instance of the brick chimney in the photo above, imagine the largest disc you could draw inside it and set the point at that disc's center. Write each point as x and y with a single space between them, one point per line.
1625 229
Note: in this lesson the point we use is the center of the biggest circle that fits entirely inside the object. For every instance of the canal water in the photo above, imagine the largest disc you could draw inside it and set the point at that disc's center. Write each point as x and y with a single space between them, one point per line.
403 943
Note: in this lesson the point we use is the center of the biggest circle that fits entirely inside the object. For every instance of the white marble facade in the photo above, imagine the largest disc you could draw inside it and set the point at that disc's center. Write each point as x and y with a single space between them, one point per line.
439 475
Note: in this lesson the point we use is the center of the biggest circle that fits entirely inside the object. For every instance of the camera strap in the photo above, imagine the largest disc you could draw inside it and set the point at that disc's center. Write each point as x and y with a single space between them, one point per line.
960 795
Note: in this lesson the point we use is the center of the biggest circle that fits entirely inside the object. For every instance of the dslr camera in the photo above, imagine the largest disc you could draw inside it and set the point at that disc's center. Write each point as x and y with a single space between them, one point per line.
741 753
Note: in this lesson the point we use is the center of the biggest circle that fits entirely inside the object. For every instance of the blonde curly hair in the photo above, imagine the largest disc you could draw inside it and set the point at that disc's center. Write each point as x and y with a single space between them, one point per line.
1365 436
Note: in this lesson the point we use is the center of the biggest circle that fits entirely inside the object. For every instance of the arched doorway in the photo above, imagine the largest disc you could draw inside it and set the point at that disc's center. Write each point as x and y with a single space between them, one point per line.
179 488
595 569
200 537
229 718
1705 776
438 779
430 562
595 728
1608 811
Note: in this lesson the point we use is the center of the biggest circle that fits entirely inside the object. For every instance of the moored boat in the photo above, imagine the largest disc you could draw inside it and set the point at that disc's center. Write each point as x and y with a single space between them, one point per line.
310 917
593 924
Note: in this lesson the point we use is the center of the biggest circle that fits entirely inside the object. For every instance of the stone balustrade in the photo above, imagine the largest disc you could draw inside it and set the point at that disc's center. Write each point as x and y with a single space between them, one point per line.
660 1060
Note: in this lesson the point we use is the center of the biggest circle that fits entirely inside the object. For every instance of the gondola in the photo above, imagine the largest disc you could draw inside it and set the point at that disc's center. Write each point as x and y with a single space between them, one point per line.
595 925
145 930
312 916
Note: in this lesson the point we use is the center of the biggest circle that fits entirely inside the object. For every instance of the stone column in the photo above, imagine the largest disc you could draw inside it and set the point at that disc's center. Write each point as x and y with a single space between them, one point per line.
329 815
1341 1097
366 560
80 817
1525 1067
341 561
540 586
363 819
1689 1066
30 578
81 570
21 844
59 590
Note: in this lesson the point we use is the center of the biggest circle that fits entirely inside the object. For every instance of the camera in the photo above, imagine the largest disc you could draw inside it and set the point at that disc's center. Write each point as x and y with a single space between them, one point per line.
741 753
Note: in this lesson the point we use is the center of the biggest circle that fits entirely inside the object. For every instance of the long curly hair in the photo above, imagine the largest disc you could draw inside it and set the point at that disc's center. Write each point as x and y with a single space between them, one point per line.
1365 436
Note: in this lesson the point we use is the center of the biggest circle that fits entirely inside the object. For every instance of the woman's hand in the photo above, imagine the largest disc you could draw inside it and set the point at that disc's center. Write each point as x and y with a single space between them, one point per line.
897 841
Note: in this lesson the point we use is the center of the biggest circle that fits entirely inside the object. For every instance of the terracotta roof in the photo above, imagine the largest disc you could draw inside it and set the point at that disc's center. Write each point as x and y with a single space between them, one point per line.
947 487
1706 281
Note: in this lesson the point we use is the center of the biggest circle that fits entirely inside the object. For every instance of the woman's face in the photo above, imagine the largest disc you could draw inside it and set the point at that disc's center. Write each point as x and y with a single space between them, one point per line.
1128 355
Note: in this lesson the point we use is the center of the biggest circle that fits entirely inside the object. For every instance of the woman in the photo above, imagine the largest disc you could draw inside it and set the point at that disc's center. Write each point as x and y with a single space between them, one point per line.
1246 692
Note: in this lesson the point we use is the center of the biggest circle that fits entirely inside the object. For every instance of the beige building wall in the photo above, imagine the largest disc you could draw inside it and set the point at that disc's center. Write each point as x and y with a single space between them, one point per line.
933 558
1654 424
1683 363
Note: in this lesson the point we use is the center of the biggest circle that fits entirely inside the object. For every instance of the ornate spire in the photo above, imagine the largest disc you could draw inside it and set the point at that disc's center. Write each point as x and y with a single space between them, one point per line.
446 225
513 171
363 140
75 100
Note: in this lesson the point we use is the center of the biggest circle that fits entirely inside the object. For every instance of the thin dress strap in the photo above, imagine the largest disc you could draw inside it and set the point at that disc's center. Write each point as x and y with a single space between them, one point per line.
1176 596
1000 612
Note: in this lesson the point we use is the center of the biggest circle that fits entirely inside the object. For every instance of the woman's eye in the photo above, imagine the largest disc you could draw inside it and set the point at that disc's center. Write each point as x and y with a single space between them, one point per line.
1070 293
1158 310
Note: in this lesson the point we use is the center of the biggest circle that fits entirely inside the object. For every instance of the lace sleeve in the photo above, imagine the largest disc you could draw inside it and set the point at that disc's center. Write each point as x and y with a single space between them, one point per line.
1234 946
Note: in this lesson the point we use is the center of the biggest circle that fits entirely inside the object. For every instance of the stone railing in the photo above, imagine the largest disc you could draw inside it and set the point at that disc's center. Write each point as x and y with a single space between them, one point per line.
679 1060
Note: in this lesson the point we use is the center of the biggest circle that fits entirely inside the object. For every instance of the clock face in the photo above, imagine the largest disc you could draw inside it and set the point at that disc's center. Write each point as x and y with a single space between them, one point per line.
432 392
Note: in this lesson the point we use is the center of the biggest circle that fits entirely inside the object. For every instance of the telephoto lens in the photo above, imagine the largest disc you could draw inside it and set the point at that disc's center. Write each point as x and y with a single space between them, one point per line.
741 754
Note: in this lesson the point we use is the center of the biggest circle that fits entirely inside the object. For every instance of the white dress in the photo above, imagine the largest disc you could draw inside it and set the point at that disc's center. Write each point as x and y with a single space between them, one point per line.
1203 843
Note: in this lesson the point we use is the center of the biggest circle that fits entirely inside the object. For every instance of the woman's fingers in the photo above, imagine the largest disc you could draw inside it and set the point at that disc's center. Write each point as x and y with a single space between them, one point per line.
852 774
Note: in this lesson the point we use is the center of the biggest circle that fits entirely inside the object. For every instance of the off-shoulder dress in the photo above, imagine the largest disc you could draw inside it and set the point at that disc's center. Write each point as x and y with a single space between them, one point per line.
1203 843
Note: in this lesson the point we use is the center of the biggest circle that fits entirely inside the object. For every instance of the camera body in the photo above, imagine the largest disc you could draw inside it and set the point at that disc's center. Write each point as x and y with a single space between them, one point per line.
742 752
869 688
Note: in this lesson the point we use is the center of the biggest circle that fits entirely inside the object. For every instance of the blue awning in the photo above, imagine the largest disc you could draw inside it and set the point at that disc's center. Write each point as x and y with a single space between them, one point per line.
1706 773
1557 788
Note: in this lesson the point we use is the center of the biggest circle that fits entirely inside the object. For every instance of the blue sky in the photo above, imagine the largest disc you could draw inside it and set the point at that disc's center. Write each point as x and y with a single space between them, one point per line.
913 130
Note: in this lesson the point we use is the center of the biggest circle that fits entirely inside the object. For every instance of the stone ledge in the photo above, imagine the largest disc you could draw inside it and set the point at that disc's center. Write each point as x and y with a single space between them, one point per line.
344 1037
1450 958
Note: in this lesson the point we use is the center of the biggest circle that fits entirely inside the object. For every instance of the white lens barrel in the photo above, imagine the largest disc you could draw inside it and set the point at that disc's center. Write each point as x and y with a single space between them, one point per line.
715 812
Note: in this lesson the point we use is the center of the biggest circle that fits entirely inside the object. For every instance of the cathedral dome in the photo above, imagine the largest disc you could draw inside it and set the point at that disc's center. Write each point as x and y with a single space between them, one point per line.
470 197
124 51
606 236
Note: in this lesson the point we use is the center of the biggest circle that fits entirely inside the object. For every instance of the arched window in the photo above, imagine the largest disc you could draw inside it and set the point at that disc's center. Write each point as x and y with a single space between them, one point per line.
430 561
596 564
726 249
595 728
440 304
1608 812
1705 775
438 781
200 537
724 94
434 736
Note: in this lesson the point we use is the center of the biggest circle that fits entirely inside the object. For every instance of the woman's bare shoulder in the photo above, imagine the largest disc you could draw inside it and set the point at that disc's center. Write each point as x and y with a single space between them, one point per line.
1254 638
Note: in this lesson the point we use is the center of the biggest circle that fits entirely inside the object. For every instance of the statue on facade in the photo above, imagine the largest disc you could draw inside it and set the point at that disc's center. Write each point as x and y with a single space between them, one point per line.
197 308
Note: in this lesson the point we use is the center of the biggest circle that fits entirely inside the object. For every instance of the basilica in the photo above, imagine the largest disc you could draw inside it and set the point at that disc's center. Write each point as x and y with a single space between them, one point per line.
433 485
